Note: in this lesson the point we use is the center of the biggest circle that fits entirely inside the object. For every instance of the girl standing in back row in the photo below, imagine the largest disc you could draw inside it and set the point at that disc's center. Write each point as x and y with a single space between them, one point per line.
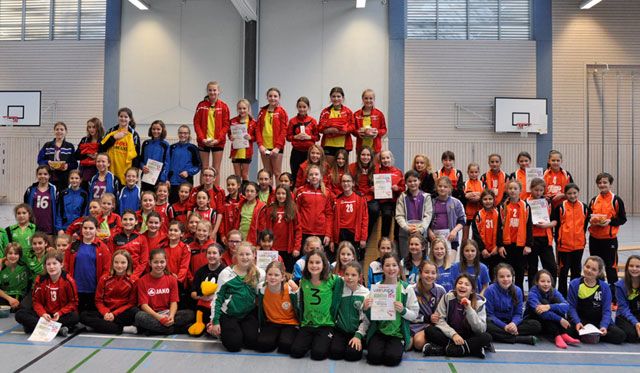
271 133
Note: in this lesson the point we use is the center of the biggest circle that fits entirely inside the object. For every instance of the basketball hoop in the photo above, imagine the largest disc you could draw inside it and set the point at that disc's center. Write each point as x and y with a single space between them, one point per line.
523 128
11 118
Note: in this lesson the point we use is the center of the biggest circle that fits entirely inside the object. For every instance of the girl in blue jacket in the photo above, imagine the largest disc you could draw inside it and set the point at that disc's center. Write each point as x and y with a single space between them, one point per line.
157 149
59 155
72 202
448 216
590 302
184 162
549 307
628 296
504 310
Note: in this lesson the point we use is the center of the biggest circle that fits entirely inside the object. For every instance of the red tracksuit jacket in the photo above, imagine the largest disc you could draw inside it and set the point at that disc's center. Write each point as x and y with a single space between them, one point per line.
397 178
310 128
198 256
178 259
377 121
115 294
201 121
251 131
103 258
287 235
362 185
51 297
352 209
344 123
252 235
230 214
280 120
315 210
135 244
216 197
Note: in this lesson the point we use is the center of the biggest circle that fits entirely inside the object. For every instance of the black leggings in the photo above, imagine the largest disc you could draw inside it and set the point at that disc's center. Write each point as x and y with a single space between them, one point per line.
607 249
276 335
237 333
526 327
515 258
384 349
388 212
316 339
86 302
340 348
473 343
614 335
568 261
628 328
96 321
549 328
29 319
541 249
374 213
295 160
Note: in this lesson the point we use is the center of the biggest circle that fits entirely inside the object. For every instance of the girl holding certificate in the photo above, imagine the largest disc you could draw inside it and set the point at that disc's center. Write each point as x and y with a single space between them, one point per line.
388 339
388 206
243 123
542 236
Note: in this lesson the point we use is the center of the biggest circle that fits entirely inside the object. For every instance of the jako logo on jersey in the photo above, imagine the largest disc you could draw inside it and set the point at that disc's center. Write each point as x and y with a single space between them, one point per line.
152 292
286 306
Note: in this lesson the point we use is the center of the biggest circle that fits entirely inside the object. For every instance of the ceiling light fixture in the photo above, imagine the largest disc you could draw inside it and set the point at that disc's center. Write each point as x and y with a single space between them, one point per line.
361 3
588 4
140 4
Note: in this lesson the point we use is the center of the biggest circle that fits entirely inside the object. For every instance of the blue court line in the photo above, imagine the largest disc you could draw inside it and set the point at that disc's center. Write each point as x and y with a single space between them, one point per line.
10 330
411 360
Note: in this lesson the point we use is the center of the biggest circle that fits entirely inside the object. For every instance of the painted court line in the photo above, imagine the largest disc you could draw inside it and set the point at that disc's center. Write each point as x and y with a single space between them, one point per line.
144 357
194 340
570 352
94 353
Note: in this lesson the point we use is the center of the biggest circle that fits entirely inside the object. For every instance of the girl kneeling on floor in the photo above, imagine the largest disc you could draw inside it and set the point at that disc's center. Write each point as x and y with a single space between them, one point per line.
548 306
504 310
55 297
115 299
320 293
233 308
158 297
277 311
463 321
387 340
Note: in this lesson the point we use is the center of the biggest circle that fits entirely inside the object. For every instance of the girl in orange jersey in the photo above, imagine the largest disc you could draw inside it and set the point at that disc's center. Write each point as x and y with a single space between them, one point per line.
496 179
485 231
556 178
472 190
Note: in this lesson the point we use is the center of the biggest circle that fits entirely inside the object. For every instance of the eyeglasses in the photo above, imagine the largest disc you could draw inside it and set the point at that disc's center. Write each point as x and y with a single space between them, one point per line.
234 241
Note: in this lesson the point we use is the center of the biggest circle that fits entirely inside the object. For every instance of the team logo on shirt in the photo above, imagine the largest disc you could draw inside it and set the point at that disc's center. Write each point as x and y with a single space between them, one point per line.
153 292
357 304
286 306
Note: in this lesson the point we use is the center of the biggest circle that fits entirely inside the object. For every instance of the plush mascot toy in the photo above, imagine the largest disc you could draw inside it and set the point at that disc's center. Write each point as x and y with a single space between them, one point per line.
208 288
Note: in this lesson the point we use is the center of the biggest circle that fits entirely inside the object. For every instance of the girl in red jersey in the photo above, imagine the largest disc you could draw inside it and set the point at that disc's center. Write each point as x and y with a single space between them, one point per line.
472 190
158 297
162 199
607 215
286 179
496 179
369 123
75 229
335 172
515 231
178 254
556 178
55 298
211 122
87 150
573 218
216 194
241 157
190 235
133 243
448 169
542 237
314 207
302 133
524 162
345 254
234 237
156 237
388 206
179 211
265 191
281 217
115 299
315 156
422 165
199 246
271 132
250 209
485 228
230 212
204 210
362 171
350 217
109 223
336 125
147 206
86 261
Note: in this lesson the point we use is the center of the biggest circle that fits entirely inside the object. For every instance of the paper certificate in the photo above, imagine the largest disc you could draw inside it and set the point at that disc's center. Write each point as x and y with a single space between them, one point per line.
533 173
383 297
265 257
382 186
239 131
155 168
589 329
539 211
45 331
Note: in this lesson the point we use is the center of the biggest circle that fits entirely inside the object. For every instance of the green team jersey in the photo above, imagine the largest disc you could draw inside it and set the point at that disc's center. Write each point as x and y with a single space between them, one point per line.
15 281
351 318
393 328
320 302
35 265
234 297
4 241
21 236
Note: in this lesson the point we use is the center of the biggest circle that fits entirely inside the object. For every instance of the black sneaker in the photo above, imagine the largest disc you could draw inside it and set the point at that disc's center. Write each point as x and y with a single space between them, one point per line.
63 332
481 354
431 349
491 348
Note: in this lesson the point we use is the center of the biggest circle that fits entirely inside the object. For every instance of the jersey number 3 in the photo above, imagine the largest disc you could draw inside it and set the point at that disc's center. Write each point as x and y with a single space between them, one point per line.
316 298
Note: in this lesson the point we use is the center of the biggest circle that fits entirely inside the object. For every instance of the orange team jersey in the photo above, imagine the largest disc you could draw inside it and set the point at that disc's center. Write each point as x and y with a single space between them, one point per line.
514 217
572 220
278 308
521 176
451 173
486 223
607 206
556 181
496 181
471 208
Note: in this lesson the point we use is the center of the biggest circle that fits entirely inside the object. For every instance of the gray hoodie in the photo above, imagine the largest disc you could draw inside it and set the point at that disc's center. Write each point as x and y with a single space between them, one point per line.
477 318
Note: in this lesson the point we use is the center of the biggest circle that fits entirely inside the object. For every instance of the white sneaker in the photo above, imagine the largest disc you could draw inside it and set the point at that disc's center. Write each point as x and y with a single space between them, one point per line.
131 329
